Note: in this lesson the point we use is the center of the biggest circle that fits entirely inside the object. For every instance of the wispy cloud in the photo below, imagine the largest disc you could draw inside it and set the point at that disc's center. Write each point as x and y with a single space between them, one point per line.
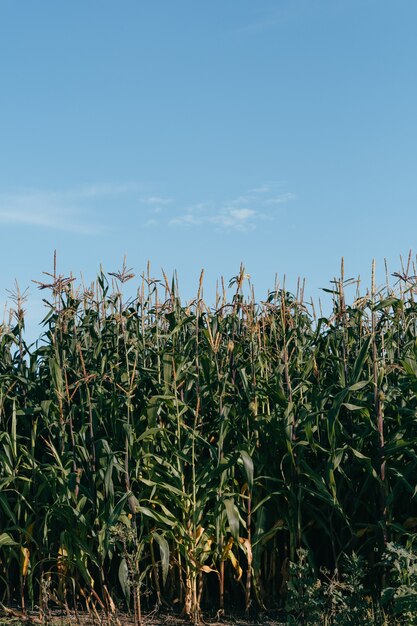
227 218
242 213
156 200
77 210
70 210
101 190
239 219
281 199
50 210
262 189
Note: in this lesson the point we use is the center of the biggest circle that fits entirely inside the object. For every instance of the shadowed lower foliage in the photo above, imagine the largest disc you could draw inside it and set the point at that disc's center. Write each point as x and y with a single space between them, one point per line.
157 454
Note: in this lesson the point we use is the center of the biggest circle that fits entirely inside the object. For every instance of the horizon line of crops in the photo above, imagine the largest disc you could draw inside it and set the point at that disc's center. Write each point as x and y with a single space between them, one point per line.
167 454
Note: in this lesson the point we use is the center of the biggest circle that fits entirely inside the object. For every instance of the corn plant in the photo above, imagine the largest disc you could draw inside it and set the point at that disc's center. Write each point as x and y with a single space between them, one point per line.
156 453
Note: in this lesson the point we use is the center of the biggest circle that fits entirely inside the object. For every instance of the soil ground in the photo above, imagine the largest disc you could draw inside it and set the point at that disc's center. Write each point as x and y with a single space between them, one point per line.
10 617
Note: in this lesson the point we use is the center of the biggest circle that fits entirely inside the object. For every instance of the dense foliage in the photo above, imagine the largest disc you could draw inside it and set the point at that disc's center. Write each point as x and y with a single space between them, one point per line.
156 453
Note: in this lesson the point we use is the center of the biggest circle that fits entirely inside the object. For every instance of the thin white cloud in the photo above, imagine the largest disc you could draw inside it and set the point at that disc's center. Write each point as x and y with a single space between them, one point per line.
281 199
156 200
262 189
70 210
55 210
238 219
228 218
45 210
242 213
188 218
241 200
101 190
75 210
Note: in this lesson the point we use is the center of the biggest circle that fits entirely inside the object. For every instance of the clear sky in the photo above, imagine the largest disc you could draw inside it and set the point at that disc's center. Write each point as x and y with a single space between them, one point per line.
279 133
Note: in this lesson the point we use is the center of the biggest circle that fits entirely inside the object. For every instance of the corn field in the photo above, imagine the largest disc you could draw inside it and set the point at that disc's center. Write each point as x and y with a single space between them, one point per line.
161 454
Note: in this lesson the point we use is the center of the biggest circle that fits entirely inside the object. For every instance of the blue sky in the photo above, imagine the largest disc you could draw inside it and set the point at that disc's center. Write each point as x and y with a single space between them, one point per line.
277 133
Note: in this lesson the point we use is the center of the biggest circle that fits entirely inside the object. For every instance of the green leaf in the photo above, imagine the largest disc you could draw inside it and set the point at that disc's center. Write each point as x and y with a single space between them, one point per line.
149 433
124 579
164 551
248 465
360 385
144 510
352 407
360 360
232 517
6 540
